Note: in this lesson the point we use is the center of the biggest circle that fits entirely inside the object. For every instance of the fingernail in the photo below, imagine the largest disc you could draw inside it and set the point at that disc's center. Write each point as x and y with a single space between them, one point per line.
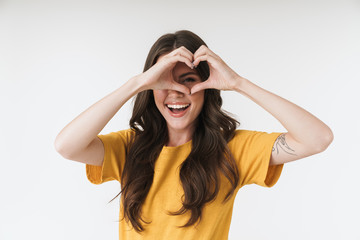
192 66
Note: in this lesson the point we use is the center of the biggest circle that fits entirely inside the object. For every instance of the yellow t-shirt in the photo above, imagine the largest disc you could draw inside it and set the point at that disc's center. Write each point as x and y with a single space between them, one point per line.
251 151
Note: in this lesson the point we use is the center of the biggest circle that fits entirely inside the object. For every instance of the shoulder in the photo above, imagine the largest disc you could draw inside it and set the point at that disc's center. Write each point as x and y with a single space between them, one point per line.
126 132
243 135
125 136
252 137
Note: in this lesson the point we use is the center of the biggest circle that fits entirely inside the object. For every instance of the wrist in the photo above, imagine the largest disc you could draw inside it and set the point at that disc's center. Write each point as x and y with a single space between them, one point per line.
134 85
241 84
138 84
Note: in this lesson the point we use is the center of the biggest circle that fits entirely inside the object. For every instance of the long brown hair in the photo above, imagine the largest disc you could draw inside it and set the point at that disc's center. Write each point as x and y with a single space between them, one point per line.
209 153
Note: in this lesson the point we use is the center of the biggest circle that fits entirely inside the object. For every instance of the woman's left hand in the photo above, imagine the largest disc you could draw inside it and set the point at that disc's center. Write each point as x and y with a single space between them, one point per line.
221 77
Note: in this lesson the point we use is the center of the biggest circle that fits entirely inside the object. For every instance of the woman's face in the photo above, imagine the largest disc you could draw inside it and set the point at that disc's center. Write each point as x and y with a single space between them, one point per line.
179 109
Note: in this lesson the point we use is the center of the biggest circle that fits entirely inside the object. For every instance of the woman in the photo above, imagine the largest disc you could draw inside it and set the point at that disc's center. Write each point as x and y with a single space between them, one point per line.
182 161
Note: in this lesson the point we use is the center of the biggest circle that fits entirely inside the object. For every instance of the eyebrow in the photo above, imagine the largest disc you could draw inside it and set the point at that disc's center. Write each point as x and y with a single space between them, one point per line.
188 73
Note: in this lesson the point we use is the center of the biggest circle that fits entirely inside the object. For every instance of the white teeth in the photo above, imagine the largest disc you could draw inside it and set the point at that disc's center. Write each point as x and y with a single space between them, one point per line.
178 106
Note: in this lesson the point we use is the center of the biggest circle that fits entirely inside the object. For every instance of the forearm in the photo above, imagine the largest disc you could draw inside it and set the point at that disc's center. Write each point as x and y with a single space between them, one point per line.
79 133
303 127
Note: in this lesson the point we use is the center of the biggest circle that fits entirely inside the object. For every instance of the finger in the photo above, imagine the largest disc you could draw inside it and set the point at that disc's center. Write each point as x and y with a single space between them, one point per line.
183 51
200 51
202 58
189 54
203 50
170 61
183 59
200 86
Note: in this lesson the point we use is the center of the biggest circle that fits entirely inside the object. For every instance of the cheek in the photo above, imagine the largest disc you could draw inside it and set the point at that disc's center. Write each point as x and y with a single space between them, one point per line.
159 97
198 99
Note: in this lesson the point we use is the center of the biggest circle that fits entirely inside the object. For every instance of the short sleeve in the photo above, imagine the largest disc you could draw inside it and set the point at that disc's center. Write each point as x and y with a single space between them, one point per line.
115 146
252 152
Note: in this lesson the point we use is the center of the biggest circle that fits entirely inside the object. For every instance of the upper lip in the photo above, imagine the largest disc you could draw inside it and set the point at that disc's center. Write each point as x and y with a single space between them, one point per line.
176 103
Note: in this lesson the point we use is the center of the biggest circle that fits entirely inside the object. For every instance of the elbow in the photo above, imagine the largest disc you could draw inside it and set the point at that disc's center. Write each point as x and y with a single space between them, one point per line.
324 141
61 149
58 147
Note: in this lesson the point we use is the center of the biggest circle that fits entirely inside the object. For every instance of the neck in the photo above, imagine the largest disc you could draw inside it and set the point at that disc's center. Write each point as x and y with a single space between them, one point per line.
178 137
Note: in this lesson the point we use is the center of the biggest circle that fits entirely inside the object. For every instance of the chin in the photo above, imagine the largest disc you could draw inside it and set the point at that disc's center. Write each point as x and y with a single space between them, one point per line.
178 127
181 125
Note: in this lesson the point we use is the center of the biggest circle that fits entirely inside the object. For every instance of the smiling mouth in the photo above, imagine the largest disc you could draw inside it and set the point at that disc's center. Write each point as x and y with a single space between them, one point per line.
177 108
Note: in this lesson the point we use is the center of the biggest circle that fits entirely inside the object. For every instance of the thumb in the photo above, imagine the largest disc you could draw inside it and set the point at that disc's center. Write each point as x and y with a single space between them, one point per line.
200 86
180 88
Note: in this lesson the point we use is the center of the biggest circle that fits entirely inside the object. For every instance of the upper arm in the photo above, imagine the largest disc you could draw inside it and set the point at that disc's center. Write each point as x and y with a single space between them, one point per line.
287 149
93 154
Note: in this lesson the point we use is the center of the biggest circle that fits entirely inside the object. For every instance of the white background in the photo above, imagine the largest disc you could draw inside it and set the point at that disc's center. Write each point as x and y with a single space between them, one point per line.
59 57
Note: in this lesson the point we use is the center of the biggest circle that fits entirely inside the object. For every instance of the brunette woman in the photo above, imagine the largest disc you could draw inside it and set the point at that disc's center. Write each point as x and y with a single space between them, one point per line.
182 161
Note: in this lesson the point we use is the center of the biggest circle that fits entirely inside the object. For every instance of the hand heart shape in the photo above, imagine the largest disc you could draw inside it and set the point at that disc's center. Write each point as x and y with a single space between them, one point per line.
160 75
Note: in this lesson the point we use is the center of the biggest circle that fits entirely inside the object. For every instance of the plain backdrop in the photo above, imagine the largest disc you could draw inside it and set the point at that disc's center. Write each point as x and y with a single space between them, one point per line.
58 57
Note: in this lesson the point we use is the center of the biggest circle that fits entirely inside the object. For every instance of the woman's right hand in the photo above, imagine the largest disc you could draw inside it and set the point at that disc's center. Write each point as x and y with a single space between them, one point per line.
160 75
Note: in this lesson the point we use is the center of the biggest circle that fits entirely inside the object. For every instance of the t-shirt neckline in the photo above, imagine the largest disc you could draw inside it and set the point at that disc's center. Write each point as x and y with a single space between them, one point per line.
170 148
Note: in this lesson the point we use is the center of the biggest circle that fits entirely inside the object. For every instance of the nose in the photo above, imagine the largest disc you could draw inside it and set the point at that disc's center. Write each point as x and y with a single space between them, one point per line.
175 93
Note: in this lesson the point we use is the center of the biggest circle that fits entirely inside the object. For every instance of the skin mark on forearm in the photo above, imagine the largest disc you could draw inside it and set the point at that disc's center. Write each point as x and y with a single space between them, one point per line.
281 144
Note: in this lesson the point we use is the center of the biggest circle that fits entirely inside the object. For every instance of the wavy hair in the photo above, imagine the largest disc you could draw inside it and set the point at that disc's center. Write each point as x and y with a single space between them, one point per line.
209 154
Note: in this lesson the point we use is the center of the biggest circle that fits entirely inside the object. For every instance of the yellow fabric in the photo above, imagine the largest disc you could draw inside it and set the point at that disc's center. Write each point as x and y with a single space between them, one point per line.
251 150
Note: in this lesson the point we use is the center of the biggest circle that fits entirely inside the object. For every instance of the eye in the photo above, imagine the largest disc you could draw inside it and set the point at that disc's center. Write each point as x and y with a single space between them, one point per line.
189 80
